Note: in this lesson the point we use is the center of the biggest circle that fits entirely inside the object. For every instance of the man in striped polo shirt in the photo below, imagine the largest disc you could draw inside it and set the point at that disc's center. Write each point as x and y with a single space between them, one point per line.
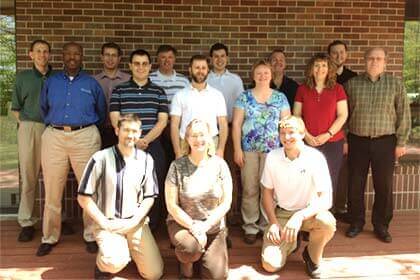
117 190
149 102
171 82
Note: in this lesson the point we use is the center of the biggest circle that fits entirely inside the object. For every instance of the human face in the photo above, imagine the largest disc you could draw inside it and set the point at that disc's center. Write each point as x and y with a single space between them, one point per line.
128 134
199 71
140 67
166 61
375 63
320 70
110 58
198 137
219 60
290 138
262 75
338 55
278 62
72 57
40 54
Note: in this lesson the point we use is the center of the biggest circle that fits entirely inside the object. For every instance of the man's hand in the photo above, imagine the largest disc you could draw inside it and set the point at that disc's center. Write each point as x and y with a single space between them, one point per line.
399 152
118 225
273 234
142 144
291 230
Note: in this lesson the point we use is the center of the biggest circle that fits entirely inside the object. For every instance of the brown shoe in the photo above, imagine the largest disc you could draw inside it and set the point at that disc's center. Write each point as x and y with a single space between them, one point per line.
250 238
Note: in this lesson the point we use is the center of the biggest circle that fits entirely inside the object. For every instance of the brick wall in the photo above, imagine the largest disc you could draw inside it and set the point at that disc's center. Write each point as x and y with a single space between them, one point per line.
251 28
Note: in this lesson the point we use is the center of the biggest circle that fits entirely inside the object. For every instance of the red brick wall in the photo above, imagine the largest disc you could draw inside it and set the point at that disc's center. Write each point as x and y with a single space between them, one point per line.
251 28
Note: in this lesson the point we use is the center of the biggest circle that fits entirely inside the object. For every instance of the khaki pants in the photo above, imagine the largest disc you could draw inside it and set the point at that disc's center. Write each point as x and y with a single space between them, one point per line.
29 149
59 150
116 250
251 208
321 229
187 250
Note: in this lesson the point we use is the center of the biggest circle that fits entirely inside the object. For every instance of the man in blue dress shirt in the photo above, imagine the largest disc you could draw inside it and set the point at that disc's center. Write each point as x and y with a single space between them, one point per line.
72 105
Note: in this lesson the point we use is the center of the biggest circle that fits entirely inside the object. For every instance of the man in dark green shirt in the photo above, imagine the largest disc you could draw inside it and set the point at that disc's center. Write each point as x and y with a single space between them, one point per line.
25 107
379 126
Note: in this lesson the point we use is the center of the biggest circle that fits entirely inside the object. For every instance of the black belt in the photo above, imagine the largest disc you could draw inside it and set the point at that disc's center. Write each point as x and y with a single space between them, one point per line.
373 137
70 128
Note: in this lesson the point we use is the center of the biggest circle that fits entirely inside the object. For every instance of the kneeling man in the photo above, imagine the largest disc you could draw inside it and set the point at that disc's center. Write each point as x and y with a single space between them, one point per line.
117 190
297 194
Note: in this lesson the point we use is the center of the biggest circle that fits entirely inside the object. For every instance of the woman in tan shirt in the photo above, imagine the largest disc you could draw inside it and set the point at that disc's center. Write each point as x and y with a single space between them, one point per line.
198 191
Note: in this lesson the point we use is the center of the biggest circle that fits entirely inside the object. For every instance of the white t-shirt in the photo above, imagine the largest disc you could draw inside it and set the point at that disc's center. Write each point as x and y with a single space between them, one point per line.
207 105
230 85
297 182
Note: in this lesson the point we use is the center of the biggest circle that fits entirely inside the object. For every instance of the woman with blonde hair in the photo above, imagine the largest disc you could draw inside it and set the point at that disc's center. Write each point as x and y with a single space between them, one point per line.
256 115
198 192
322 104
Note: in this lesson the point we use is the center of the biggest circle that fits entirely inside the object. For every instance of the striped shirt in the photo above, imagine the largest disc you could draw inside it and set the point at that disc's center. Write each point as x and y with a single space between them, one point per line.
378 108
119 185
170 84
145 101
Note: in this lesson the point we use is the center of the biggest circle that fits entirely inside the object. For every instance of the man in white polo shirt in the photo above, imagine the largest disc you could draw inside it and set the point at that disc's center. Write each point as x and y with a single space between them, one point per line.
297 194
117 191
199 101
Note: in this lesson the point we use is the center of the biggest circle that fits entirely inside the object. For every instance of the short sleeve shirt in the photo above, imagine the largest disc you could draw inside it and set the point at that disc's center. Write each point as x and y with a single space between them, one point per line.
207 105
260 127
119 185
296 182
319 111
200 188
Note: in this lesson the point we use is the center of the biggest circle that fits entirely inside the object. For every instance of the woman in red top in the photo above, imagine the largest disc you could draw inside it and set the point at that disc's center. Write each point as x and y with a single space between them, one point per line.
322 104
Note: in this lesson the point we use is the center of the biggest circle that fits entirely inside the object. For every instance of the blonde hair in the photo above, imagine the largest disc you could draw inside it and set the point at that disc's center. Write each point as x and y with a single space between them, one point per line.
261 62
293 122
185 147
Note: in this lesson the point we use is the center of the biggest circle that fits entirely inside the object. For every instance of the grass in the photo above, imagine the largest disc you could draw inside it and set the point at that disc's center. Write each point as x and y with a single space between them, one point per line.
8 143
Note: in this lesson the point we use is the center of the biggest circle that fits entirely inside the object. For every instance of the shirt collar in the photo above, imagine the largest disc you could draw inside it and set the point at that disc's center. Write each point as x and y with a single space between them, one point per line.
366 76
119 158
166 77
198 91
39 74
225 73
134 84
118 75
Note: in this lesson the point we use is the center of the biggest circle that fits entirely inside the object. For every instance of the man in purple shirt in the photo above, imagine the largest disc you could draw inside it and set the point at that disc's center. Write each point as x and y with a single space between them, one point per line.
110 77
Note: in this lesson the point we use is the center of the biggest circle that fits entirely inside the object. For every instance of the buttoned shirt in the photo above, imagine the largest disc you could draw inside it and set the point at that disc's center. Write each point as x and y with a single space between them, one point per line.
207 104
72 101
25 98
378 108
119 185
146 101
288 87
171 84
230 85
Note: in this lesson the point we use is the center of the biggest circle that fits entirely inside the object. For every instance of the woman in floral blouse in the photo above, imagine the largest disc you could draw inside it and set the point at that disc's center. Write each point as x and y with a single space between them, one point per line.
256 115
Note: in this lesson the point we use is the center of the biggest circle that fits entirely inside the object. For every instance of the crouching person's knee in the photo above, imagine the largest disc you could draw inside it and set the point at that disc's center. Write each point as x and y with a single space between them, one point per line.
326 221
152 273
113 264
271 259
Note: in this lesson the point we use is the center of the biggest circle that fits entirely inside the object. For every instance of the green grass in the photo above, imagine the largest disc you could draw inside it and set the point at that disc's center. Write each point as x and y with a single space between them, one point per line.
8 143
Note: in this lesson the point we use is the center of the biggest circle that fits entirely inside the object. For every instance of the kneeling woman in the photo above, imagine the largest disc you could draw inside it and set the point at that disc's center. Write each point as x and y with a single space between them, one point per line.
198 192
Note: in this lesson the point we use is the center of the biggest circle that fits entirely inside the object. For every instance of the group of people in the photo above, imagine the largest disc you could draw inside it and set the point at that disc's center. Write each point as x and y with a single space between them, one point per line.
146 146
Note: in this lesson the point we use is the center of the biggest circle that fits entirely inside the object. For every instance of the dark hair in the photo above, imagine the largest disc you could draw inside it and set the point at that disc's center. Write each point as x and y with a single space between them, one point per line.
140 52
39 41
111 45
128 118
219 46
331 76
198 57
336 43
72 43
166 48
276 50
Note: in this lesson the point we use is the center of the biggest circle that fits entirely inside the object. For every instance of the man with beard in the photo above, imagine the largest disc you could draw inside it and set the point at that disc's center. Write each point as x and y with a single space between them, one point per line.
117 191
199 101
149 102
337 50
110 77
280 81
297 194
72 105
